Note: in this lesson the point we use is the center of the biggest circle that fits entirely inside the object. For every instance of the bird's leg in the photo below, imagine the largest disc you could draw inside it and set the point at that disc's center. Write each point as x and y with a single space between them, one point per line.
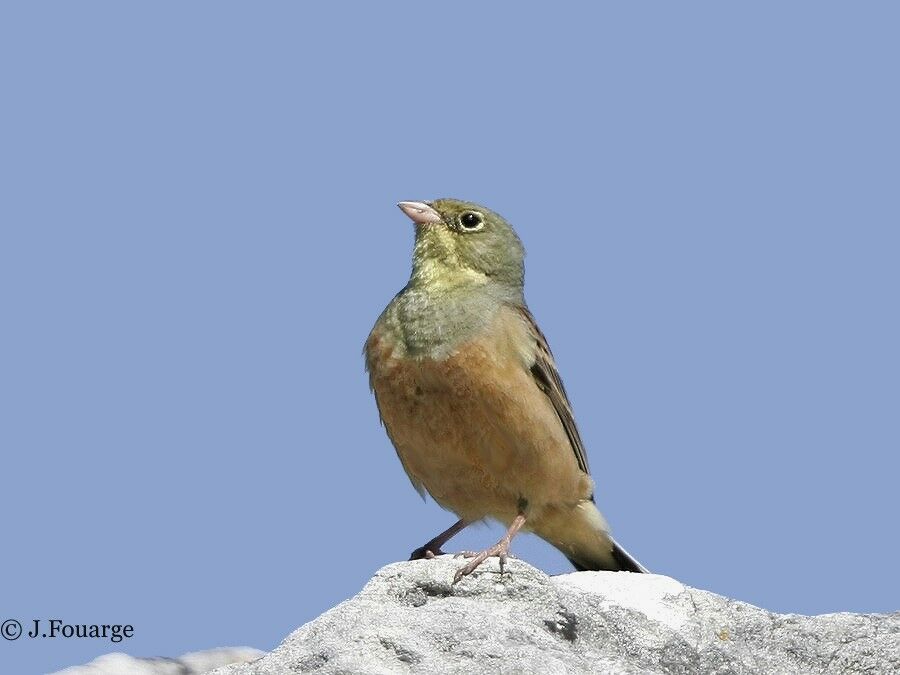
501 549
433 547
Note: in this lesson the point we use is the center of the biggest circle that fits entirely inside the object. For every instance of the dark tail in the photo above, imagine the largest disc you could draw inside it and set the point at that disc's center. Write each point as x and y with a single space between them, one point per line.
580 532
625 562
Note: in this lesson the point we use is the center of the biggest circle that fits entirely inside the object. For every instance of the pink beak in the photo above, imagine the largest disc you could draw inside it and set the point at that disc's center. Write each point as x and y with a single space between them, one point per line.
421 213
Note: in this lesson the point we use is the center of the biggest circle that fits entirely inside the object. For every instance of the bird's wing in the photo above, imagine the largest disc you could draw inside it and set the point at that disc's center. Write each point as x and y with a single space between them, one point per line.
547 379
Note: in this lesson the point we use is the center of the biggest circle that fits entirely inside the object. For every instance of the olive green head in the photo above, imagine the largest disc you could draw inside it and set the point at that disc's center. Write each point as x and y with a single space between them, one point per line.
461 243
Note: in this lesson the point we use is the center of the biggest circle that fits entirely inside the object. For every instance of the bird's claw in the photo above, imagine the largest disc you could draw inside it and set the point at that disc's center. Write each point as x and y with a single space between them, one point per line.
499 550
466 554
425 553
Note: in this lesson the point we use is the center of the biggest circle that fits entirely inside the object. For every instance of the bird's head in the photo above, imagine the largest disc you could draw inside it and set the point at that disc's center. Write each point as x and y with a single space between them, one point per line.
460 243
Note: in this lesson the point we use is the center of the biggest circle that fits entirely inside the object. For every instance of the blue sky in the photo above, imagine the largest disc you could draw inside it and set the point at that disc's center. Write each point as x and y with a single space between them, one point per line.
199 229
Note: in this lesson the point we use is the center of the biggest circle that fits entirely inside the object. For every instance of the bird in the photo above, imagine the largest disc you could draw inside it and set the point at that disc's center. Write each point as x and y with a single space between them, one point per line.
469 393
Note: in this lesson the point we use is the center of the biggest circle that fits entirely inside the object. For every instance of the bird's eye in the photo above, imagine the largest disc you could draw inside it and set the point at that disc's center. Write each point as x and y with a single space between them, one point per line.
471 220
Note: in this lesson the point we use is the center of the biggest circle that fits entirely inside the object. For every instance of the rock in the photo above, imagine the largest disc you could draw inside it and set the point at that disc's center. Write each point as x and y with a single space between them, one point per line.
189 664
409 618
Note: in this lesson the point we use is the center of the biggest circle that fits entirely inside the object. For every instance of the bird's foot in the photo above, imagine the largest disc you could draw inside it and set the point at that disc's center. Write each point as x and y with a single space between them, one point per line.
426 553
432 549
473 554
466 554
500 550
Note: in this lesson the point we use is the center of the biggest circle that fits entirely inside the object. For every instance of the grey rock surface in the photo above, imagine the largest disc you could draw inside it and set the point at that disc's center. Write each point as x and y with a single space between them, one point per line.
410 619
189 664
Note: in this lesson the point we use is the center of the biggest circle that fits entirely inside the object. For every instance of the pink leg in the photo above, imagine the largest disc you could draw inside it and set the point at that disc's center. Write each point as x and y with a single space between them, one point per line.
501 549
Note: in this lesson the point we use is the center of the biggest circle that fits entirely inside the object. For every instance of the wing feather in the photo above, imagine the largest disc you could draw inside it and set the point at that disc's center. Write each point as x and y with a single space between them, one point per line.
546 376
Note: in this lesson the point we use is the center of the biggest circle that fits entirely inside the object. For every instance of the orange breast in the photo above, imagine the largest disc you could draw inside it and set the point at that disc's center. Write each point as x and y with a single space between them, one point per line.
473 428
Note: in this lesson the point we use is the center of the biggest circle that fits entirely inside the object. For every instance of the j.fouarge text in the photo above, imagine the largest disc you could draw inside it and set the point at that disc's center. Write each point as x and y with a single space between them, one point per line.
51 628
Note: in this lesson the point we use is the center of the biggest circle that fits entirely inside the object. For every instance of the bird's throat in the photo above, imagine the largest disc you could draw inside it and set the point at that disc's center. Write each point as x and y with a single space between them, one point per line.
433 319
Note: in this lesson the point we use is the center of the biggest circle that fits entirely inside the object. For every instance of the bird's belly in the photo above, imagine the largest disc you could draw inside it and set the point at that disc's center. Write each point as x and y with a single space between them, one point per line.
476 432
